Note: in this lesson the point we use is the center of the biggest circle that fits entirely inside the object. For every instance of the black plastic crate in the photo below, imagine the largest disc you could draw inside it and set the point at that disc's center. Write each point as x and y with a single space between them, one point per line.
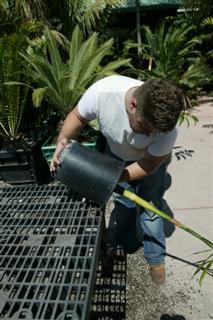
16 167
109 295
49 246
23 166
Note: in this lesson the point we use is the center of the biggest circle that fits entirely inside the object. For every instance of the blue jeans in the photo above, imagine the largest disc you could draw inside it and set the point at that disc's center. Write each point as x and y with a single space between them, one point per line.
150 226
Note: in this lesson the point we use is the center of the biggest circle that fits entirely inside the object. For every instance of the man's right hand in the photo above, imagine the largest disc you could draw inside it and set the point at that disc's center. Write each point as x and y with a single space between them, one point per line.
72 125
61 145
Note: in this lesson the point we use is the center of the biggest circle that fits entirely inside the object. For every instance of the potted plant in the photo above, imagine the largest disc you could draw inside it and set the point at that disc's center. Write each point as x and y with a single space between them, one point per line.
21 159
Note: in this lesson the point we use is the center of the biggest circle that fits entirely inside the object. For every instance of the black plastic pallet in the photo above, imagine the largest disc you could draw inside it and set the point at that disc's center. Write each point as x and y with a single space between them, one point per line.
49 246
109 296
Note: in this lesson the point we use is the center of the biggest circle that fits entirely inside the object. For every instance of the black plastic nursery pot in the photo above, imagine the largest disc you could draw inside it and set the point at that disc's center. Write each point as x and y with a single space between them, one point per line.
89 172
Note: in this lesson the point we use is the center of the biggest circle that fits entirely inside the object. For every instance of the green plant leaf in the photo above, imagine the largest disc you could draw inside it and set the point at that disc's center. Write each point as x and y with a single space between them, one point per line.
55 57
94 62
44 70
113 65
64 83
12 83
205 271
75 44
38 95
83 57
13 94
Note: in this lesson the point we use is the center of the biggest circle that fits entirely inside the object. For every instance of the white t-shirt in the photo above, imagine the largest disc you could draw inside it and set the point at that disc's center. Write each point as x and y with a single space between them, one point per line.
105 101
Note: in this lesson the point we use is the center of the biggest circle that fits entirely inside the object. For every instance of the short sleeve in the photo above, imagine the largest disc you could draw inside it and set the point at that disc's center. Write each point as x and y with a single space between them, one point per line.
88 104
163 144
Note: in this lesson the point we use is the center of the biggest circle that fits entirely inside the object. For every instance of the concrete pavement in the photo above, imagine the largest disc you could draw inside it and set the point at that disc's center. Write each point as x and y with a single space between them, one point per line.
190 199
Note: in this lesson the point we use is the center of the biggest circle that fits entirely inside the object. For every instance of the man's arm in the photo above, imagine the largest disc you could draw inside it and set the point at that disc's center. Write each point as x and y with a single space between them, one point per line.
72 125
142 168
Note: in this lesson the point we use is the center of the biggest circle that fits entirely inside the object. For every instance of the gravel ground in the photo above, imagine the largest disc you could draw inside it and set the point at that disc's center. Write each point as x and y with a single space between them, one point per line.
180 298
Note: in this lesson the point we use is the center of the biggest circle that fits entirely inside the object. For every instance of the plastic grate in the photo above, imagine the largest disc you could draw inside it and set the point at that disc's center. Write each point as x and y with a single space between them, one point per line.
109 296
49 245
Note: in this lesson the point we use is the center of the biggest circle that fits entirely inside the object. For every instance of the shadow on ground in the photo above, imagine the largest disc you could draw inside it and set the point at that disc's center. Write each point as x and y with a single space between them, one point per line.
182 154
173 317
169 228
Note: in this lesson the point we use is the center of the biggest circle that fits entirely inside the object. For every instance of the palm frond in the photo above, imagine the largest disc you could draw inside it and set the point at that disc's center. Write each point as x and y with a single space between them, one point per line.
55 57
84 12
44 69
76 42
197 74
64 82
12 98
207 21
101 52
31 9
82 58
112 66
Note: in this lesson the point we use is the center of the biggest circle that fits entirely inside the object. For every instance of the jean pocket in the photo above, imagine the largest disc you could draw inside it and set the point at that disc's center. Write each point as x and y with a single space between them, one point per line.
125 201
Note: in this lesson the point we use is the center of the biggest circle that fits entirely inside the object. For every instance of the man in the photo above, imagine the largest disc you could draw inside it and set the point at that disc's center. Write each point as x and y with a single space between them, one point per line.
138 121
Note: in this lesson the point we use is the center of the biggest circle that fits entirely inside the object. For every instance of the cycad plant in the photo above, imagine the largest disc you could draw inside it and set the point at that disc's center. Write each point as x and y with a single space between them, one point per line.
64 82
171 51
169 47
166 48
208 24
12 99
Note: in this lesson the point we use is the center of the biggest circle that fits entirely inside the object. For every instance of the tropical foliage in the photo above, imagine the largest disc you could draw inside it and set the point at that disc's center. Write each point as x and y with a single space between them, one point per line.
64 82
12 99
172 51
85 13
62 15
197 10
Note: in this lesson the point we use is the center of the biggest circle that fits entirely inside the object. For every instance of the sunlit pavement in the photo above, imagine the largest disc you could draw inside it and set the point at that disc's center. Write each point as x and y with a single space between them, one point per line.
190 199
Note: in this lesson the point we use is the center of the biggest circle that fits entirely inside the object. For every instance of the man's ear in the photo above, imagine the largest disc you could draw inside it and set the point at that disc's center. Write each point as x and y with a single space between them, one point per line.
132 106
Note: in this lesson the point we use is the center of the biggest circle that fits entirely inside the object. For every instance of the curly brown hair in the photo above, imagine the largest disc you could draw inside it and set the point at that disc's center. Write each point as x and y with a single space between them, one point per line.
160 101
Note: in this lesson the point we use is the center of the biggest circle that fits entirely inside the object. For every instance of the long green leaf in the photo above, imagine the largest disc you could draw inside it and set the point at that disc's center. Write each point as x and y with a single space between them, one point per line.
132 196
76 42
113 65
89 69
81 59
44 69
205 271
12 83
54 53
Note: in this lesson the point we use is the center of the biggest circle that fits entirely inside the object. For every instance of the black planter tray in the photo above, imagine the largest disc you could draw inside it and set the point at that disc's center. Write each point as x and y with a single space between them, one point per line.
22 166
49 246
